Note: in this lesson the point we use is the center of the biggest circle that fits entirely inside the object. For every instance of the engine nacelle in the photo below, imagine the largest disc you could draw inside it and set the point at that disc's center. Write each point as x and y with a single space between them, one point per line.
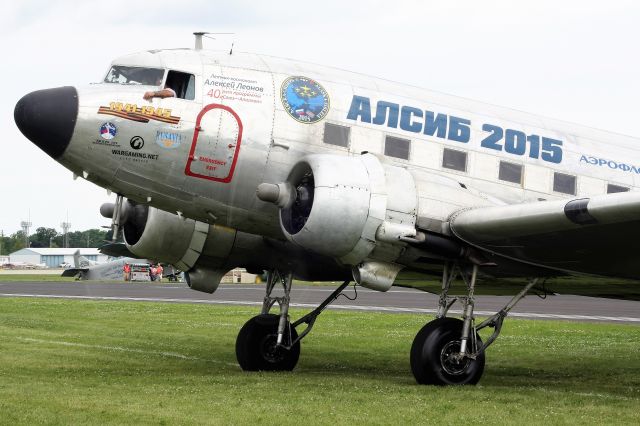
199 249
156 234
352 208
206 252
345 207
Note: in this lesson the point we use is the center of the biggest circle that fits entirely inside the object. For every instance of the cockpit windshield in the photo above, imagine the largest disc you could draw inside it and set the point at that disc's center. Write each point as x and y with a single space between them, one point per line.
120 74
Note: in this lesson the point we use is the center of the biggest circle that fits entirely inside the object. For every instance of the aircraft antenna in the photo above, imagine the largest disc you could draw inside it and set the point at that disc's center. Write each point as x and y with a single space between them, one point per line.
200 34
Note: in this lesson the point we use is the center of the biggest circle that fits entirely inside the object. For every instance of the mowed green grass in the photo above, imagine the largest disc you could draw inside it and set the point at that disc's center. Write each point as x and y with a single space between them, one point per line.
34 277
70 362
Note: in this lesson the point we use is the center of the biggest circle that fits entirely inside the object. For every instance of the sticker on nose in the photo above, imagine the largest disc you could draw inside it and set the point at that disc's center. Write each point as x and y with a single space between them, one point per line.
216 144
108 130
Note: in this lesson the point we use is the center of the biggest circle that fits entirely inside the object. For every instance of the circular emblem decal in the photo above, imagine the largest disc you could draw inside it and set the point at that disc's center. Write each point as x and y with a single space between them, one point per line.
108 131
304 99
136 142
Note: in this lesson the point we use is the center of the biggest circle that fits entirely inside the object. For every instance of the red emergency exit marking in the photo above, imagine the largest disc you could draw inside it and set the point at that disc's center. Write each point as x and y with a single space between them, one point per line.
206 159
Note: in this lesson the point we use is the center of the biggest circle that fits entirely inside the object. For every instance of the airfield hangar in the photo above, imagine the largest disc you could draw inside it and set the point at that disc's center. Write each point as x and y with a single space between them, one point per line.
54 257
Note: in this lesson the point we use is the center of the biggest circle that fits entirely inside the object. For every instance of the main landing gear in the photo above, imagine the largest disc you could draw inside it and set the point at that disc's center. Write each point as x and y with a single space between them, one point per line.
270 342
448 351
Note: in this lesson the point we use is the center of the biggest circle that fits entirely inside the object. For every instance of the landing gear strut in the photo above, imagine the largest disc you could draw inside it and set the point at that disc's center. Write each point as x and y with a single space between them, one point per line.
448 351
270 342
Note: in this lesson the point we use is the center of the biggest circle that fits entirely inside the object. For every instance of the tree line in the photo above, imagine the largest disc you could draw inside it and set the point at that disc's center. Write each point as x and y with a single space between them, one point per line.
49 237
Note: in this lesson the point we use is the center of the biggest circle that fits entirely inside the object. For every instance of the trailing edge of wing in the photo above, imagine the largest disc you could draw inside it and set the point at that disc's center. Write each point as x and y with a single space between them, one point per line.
598 235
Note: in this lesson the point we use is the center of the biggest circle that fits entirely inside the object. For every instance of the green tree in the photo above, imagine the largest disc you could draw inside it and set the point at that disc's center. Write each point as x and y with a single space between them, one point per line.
94 237
43 237
5 244
75 239
90 238
14 242
58 241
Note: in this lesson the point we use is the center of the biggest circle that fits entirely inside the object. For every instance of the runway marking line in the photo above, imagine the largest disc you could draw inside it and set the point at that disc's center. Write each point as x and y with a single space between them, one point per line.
530 315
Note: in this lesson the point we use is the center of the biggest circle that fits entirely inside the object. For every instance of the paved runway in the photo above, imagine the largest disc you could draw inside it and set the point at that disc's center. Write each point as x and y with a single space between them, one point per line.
575 308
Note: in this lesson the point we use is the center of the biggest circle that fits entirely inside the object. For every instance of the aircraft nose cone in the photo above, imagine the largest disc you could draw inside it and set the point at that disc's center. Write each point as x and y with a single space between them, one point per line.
48 117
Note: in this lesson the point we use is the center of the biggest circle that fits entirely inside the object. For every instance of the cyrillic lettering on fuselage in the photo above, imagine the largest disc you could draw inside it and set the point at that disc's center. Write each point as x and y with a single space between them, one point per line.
456 129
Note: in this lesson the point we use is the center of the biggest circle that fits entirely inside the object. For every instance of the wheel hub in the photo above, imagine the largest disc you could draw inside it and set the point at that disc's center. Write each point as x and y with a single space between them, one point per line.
451 361
270 350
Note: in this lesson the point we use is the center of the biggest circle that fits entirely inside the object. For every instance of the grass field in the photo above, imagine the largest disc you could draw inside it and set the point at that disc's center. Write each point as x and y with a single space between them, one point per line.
5 277
70 362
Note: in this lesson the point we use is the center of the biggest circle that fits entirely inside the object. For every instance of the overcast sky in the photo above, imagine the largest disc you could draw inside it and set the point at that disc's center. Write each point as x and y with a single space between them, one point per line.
572 60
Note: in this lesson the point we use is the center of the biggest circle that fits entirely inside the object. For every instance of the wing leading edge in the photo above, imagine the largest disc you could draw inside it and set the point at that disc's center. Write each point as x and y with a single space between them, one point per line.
598 235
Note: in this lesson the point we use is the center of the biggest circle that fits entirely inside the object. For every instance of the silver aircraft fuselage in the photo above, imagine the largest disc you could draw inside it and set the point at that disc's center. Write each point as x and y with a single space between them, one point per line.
187 172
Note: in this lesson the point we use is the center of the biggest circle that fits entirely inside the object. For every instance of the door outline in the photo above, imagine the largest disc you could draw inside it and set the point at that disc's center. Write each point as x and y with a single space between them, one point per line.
196 132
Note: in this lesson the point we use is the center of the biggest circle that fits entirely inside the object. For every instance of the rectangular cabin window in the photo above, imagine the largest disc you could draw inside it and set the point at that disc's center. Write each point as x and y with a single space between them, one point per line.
397 147
336 135
564 183
454 159
183 84
611 188
510 172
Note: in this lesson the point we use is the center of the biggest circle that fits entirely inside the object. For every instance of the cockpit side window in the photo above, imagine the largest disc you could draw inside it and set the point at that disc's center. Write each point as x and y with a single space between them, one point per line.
183 84
120 74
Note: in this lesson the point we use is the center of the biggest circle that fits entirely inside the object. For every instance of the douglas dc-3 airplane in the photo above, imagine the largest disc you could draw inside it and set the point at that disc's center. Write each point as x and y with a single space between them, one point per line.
316 173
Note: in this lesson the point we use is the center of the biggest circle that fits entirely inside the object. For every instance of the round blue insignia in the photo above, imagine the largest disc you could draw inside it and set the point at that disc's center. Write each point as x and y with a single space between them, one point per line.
108 130
304 99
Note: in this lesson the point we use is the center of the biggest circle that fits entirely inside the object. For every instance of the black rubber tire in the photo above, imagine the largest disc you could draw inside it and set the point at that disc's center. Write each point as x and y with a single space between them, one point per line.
428 353
255 345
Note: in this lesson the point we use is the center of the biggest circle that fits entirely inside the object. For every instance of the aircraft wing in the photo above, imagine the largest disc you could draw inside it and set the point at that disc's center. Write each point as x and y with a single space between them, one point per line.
72 272
598 235
117 250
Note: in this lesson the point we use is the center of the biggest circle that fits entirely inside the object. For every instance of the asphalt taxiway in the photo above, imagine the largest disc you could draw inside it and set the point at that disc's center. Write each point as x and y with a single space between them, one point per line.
398 300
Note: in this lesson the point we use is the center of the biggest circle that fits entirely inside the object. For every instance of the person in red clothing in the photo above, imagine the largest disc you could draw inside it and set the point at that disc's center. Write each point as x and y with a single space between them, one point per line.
153 272
127 271
159 271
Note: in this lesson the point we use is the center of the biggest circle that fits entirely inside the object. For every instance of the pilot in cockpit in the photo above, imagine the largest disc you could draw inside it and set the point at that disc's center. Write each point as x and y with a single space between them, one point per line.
166 92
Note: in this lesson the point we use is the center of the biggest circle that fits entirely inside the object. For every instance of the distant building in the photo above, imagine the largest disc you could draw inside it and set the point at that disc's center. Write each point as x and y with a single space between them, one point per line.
4 259
238 275
53 257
